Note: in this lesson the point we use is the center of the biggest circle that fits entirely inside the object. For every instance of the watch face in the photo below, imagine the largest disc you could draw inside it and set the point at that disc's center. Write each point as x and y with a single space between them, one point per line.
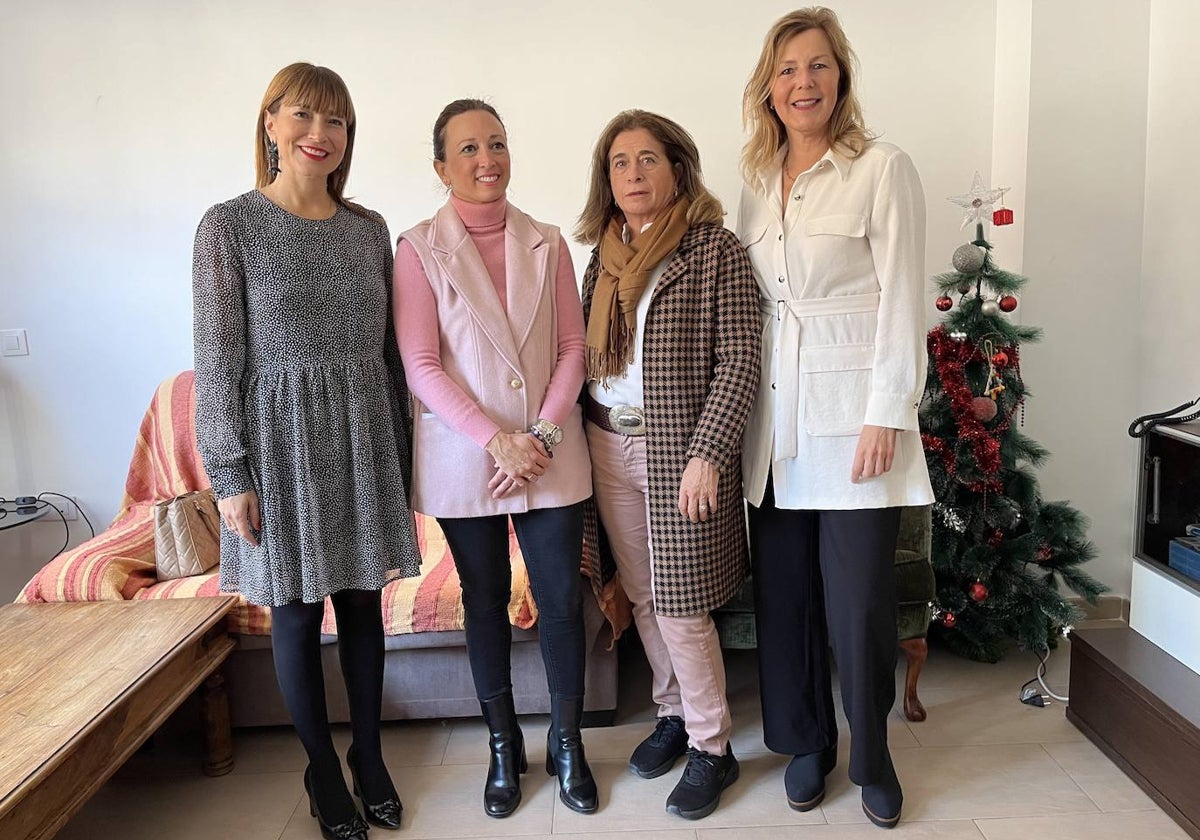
551 432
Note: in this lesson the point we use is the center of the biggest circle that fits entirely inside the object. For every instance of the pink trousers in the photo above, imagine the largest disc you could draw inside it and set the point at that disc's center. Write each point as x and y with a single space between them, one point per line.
684 652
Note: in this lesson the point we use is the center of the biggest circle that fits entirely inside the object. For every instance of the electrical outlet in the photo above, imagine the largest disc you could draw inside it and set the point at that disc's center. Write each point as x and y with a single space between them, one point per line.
14 343
68 506
70 509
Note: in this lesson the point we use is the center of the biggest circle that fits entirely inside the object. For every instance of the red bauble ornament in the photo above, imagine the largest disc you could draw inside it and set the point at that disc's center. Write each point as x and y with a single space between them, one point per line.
984 408
1044 553
979 592
1000 359
1003 216
1008 303
949 620
943 303
997 537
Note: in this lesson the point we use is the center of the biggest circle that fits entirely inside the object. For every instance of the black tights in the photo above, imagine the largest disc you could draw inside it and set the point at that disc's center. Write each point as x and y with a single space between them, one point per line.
296 644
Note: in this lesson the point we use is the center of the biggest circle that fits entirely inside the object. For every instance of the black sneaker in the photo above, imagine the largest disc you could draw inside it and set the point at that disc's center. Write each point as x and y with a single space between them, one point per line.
659 752
699 791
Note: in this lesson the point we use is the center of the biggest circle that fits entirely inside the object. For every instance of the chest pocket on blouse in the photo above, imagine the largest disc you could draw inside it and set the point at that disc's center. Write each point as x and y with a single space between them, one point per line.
846 224
837 384
836 247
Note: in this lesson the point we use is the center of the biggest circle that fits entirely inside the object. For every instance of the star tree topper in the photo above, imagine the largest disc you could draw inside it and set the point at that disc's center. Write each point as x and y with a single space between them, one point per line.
978 202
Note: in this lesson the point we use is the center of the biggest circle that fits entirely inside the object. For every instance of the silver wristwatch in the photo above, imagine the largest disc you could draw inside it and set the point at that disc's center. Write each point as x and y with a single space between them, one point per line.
548 433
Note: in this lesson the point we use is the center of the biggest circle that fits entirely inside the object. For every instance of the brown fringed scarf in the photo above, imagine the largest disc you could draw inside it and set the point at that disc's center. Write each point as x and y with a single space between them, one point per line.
624 270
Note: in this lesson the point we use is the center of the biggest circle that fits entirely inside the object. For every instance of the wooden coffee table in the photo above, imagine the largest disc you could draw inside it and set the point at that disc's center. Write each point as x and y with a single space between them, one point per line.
83 685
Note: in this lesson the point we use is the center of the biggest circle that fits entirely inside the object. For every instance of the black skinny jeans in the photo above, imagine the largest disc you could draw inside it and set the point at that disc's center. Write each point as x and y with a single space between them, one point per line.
551 541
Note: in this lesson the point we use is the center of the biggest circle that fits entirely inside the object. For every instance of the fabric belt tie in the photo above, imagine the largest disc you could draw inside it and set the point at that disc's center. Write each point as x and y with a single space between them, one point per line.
627 420
788 315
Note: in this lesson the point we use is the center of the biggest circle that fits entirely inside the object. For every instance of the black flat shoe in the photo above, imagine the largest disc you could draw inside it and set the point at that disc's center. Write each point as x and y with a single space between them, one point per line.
352 829
386 814
804 778
882 801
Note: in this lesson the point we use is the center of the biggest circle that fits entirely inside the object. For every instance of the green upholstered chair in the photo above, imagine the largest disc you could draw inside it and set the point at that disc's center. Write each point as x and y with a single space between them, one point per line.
915 588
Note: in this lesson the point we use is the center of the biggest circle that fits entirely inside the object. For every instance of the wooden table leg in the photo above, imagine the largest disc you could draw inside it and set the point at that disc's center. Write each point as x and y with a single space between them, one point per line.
218 734
915 651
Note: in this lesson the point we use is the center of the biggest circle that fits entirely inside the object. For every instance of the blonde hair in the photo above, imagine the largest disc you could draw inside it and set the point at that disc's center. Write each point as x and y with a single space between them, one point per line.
847 133
601 207
318 89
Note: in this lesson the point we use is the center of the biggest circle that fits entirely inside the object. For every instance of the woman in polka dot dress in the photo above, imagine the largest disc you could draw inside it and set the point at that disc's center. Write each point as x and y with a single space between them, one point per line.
302 421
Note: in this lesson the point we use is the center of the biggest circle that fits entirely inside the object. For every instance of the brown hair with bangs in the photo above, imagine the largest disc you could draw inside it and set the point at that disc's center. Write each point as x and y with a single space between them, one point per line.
318 89
681 150
847 133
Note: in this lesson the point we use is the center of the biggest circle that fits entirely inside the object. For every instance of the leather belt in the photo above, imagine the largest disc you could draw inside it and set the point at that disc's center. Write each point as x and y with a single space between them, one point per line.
627 420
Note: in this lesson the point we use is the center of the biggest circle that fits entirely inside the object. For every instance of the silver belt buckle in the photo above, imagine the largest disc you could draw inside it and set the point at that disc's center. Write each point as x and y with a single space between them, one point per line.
627 420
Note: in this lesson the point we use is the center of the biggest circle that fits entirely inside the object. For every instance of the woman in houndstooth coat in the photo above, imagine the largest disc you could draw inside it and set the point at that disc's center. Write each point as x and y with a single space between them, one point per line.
673 365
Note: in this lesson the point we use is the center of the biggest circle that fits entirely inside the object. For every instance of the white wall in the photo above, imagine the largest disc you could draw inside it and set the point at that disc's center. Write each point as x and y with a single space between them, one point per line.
1082 253
127 119
1170 289
132 117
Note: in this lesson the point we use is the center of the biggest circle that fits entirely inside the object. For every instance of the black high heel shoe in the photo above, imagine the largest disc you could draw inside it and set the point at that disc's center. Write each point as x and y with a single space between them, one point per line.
386 814
352 829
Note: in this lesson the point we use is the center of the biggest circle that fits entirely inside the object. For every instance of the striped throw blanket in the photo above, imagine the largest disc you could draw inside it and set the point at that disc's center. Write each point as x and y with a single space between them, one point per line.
119 563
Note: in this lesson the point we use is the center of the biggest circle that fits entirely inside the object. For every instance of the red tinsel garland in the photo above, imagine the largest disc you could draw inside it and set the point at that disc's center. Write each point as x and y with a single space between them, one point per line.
950 359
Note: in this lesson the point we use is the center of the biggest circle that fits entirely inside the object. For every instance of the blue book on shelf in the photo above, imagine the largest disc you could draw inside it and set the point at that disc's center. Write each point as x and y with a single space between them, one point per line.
1184 559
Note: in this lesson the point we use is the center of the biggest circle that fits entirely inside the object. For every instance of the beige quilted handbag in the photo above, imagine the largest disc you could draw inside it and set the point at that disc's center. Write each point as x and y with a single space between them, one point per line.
187 535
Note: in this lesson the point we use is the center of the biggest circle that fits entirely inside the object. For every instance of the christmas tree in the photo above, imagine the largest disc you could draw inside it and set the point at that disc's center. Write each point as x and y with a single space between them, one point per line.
1000 552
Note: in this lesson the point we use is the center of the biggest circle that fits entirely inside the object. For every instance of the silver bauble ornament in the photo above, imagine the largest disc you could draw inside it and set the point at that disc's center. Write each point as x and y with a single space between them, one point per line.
958 335
990 308
967 258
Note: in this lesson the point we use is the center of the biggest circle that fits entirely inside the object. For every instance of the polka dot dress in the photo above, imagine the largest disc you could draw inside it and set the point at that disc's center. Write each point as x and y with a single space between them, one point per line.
300 397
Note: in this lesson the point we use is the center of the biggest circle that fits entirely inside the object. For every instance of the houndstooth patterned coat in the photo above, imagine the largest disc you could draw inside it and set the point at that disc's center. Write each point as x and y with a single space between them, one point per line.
700 370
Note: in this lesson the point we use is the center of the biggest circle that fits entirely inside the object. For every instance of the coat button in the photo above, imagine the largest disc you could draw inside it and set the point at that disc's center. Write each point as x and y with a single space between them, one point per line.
782 279
515 383
772 386
781 237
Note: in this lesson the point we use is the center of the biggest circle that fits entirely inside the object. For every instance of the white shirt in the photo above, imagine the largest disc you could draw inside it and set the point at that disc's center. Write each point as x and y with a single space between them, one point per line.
841 274
627 389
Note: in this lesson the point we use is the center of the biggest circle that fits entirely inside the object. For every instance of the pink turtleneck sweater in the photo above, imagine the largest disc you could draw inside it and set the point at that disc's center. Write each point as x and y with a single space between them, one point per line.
415 314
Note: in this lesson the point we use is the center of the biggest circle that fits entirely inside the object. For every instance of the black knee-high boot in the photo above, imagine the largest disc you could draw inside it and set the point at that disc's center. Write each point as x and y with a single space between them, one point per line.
360 650
502 794
565 758
296 647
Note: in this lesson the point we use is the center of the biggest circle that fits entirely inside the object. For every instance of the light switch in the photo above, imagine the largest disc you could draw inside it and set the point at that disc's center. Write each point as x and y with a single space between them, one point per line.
14 343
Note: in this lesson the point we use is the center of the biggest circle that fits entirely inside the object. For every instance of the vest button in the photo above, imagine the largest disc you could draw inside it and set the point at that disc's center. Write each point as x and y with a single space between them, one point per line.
515 383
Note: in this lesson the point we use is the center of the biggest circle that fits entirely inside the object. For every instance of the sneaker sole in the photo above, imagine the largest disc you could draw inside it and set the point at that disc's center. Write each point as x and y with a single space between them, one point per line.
882 822
701 813
654 773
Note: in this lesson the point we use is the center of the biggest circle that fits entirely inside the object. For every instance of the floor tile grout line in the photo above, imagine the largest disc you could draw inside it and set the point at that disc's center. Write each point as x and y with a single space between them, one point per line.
1070 776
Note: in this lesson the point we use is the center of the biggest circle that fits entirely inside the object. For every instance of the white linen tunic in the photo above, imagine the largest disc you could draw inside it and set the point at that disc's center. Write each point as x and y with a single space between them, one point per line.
841 274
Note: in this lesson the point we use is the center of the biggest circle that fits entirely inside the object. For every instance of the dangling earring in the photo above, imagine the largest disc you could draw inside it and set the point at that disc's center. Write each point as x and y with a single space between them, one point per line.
272 158
770 107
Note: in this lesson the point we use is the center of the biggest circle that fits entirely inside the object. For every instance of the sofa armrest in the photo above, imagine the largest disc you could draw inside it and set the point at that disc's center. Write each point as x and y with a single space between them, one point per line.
112 566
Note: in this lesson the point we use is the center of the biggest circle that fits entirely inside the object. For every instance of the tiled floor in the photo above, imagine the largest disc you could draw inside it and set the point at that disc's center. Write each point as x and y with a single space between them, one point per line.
982 766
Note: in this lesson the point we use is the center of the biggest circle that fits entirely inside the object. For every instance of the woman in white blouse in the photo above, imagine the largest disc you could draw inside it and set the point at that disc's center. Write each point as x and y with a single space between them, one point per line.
834 223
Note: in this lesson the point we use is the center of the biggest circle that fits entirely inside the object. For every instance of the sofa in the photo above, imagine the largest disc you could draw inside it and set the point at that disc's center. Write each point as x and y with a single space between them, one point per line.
426 672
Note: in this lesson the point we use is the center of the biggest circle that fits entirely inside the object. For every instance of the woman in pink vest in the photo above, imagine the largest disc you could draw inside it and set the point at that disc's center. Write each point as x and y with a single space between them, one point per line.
491 334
